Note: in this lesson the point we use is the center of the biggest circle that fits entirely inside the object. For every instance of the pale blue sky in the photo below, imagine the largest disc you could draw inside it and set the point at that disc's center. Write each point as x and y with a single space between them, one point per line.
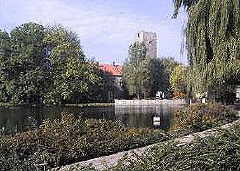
105 27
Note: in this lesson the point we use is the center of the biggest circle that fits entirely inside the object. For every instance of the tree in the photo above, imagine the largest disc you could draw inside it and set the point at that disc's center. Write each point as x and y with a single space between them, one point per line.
213 43
72 74
22 73
178 81
137 52
137 72
168 65
45 65
4 55
144 76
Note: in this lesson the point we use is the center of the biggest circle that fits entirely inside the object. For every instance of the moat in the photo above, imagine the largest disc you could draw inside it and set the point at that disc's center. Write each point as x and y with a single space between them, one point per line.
19 119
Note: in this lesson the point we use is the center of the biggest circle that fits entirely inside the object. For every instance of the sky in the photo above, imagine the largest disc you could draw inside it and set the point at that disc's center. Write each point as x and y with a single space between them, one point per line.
106 28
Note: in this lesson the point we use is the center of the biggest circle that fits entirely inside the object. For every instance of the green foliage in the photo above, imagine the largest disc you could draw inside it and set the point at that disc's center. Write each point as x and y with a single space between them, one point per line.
144 76
45 65
4 54
137 71
169 64
68 140
198 117
213 43
217 152
22 77
137 52
72 74
178 81
162 69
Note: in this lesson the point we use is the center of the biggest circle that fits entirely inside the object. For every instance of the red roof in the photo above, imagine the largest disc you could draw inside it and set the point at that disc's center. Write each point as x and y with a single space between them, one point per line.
115 70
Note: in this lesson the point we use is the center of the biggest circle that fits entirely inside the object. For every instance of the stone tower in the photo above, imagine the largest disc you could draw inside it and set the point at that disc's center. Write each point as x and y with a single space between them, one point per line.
150 41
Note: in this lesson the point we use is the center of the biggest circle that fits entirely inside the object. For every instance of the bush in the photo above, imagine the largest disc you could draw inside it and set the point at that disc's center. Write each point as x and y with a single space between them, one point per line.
68 140
179 95
198 117
218 152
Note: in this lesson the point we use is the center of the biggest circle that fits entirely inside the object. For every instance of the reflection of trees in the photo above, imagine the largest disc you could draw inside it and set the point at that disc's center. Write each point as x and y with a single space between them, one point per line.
30 123
7 126
141 116
18 119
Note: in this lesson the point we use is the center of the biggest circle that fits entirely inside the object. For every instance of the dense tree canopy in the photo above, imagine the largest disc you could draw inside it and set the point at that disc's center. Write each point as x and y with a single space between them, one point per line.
144 76
137 71
167 65
44 65
213 42
22 76
4 55
72 73
178 81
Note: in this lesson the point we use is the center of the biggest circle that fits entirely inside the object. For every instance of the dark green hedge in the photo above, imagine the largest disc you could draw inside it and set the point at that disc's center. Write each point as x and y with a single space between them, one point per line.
70 140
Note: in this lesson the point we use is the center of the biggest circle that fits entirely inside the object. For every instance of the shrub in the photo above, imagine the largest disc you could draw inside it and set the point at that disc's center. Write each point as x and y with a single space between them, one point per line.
179 95
198 117
68 140
218 152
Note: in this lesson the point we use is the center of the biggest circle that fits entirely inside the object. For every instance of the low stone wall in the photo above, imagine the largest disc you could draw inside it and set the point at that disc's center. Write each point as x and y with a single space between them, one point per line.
147 102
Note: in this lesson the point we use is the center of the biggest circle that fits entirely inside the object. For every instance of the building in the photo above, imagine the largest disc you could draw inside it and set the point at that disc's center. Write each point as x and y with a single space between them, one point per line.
113 75
150 41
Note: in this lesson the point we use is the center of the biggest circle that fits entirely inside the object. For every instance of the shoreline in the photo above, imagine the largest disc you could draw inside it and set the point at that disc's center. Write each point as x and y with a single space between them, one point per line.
60 105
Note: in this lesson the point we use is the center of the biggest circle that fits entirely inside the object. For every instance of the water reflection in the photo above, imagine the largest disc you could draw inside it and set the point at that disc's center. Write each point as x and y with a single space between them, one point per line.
142 116
18 119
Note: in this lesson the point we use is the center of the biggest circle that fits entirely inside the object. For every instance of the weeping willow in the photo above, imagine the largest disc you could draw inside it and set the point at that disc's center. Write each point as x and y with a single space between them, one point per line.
212 42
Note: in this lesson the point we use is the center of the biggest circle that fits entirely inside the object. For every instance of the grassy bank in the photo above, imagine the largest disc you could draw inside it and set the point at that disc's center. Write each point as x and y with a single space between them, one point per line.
218 152
70 140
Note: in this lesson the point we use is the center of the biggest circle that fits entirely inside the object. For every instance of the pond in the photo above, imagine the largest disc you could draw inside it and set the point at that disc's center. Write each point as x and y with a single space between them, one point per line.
18 119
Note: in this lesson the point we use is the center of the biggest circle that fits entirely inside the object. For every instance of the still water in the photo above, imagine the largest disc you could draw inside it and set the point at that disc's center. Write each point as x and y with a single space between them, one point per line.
18 119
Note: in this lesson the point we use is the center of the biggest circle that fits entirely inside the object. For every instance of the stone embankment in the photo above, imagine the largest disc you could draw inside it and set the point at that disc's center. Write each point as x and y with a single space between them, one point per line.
148 102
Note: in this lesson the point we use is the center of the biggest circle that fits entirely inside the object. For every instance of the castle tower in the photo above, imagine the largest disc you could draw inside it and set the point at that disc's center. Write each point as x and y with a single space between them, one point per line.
150 41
